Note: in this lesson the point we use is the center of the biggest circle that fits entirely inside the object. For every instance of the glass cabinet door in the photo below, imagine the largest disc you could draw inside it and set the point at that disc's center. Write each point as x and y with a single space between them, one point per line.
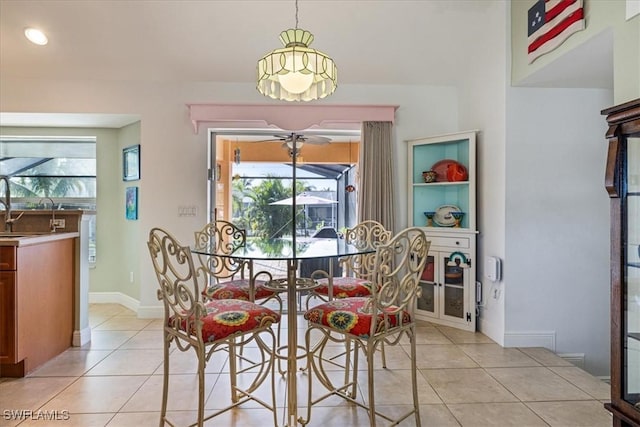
454 281
428 300
631 351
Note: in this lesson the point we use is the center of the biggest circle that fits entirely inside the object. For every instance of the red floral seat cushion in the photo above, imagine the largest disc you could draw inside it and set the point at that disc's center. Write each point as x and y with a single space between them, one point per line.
345 287
237 289
349 315
227 317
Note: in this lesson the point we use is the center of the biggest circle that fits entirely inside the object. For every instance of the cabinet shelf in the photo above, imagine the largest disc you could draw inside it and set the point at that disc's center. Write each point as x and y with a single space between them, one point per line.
438 184
451 304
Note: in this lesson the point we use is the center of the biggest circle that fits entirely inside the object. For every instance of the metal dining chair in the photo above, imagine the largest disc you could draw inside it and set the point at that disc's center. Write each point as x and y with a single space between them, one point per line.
367 322
356 280
231 278
228 277
207 327
357 270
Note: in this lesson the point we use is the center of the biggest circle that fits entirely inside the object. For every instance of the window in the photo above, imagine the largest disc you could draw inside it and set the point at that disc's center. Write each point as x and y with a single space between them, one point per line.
63 169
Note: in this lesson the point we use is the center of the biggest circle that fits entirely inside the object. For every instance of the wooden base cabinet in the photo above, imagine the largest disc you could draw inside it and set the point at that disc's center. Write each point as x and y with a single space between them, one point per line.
442 200
622 182
36 304
7 316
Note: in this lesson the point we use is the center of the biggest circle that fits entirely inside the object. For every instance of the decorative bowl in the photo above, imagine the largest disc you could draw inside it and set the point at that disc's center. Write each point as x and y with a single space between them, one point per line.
457 172
430 176
457 216
429 216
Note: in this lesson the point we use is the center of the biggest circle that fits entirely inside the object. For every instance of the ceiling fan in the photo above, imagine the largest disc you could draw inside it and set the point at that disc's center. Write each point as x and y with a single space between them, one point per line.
287 140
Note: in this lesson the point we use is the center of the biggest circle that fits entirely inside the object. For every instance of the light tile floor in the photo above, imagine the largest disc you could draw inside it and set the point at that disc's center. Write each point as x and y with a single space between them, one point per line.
465 379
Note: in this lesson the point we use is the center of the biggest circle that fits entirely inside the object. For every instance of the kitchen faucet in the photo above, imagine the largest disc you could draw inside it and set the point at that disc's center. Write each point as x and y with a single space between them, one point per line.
53 212
8 221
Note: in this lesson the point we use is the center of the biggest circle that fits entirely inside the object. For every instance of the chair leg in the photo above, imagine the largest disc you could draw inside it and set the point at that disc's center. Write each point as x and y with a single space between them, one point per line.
267 350
165 382
272 369
370 380
307 343
201 367
233 371
349 346
414 375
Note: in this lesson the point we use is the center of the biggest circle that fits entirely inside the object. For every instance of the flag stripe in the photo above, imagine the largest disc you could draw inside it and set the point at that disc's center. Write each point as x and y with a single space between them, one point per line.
553 22
553 11
550 4
554 32
552 44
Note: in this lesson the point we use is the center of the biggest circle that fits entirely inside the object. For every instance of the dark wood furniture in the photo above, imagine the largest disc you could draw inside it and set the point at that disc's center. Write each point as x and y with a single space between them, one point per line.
622 181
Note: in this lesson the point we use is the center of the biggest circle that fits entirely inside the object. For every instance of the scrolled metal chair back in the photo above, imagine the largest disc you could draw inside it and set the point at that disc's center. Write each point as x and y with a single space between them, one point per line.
398 266
179 288
367 234
225 237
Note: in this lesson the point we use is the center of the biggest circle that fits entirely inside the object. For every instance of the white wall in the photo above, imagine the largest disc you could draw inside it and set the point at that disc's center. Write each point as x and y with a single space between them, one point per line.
174 159
557 222
482 107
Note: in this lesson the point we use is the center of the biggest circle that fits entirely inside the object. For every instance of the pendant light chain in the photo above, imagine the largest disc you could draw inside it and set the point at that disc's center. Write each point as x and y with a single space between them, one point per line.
296 14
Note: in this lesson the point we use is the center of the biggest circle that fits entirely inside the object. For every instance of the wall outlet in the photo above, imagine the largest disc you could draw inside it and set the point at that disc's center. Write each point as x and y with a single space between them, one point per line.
58 223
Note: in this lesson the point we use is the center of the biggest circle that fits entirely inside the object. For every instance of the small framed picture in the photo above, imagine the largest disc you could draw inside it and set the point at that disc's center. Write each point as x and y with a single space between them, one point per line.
131 203
131 163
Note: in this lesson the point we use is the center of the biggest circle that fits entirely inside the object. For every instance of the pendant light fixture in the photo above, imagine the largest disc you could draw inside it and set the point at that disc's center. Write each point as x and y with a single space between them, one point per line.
296 72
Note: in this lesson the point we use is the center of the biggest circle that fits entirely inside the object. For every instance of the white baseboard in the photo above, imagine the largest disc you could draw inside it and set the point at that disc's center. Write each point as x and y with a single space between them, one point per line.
114 298
576 359
546 339
143 312
81 337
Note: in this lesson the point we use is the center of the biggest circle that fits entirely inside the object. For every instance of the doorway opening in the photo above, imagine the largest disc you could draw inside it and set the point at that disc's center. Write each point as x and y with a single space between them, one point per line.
252 177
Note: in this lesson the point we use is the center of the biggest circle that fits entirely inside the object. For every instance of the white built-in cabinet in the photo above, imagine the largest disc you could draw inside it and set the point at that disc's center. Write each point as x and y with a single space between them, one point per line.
448 281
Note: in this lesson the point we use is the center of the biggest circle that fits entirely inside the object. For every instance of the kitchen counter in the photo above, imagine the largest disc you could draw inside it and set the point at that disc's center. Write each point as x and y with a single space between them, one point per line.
33 238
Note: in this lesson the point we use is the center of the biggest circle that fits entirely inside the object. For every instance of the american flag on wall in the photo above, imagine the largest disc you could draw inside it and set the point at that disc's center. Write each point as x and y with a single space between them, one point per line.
550 23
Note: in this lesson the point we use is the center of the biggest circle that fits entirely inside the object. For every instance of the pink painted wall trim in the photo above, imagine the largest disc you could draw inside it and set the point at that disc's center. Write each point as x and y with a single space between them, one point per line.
289 117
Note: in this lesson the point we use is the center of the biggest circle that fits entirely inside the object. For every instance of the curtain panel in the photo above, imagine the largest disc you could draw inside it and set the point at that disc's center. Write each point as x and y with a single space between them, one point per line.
376 198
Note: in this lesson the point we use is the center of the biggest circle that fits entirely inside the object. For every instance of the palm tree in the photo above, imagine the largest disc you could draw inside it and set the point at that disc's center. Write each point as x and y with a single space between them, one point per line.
265 219
37 186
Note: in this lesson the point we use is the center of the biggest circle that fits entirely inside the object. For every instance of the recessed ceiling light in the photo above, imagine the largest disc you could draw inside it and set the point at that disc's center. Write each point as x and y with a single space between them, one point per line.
36 36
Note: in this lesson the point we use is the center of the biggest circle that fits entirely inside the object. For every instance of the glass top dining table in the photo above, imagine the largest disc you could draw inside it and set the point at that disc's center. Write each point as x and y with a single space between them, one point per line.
292 251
